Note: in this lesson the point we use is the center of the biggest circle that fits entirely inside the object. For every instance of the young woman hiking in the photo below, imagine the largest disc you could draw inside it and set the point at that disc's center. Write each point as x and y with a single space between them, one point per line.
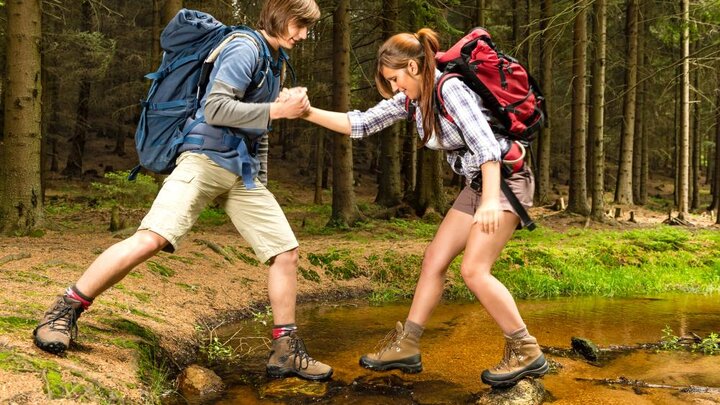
234 108
480 222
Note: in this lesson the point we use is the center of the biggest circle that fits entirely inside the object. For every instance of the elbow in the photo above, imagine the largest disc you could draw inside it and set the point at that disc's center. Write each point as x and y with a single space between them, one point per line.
211 113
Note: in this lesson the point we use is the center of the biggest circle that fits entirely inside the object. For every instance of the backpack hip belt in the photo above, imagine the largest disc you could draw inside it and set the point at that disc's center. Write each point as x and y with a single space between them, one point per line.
207 137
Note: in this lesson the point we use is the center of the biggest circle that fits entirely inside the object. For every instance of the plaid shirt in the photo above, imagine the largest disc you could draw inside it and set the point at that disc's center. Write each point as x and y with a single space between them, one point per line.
471 124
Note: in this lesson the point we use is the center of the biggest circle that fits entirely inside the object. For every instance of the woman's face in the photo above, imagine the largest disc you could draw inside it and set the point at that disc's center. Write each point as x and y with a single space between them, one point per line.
295 34
404 80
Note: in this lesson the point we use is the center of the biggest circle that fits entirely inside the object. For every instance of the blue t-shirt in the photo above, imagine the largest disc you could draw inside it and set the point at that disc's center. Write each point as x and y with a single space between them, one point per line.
238 63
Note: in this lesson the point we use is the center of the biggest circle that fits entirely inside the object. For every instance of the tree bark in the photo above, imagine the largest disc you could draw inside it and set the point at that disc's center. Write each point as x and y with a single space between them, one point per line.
684 148
577 199
695 147
429 195
598 108
623 189
21 208
640 170
716 192
344 209
546 62
389 180
74 164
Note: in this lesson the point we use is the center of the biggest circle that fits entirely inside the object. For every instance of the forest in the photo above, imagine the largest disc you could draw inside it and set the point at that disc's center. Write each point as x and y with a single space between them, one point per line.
630 91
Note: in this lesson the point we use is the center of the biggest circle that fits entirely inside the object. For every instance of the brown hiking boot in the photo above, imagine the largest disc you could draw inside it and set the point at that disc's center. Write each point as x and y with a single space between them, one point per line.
399 350
288 357
522 358
59 325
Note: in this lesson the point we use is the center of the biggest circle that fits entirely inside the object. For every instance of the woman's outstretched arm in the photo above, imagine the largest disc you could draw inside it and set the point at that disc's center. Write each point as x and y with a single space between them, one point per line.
334 121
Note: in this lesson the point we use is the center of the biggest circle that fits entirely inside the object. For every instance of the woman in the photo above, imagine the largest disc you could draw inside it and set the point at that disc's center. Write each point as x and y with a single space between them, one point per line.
480 222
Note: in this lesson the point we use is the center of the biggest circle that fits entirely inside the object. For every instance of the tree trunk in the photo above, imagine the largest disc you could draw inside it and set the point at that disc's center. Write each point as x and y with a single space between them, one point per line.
74 164
429 195
716 193
157 27
577 199
546 61
21 208
409 159
319 166
479 13
389 181
623 189
695 147
684 147
169 9
598 108
640 144
344 209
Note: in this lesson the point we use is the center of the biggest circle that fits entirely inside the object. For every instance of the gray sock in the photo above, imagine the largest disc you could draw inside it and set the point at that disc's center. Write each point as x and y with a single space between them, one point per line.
413 329
519 334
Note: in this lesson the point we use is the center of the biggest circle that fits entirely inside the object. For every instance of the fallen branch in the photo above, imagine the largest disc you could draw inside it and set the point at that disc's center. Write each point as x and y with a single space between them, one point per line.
10 258
696 389
215 248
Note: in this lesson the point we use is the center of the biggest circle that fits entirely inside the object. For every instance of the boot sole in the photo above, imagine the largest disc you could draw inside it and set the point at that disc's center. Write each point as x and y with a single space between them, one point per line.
277 372
412 368
52 347
537 371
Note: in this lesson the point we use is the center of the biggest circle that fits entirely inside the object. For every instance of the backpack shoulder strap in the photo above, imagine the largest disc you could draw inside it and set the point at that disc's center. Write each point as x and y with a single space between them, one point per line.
439 100
254 37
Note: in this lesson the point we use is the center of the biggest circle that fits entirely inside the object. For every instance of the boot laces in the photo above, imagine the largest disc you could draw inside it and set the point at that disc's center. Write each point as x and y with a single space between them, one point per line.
510 356
63 318
299 352
389 342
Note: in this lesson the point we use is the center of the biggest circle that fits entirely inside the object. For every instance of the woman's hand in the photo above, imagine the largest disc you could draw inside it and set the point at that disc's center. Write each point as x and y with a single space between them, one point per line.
487 215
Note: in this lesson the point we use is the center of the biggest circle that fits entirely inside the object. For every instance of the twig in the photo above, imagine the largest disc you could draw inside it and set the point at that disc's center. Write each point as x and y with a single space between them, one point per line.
215 248
9 258
642 384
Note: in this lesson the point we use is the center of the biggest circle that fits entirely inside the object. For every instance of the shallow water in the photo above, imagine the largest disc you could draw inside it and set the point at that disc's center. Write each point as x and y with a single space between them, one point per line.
461 340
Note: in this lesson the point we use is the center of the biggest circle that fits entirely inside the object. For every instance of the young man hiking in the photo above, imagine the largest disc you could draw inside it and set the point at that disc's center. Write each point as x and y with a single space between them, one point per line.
231 105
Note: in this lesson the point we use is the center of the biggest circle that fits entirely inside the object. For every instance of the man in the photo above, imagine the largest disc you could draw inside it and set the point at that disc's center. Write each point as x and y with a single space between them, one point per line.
233 104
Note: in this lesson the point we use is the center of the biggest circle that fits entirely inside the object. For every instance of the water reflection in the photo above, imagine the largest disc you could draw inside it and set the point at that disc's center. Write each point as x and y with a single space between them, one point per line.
461 340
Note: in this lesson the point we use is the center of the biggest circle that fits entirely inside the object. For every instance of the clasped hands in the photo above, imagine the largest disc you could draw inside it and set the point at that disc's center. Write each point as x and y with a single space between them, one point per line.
291 103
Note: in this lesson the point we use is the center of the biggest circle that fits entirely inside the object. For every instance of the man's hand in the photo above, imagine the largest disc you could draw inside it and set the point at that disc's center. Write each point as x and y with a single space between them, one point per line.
291 103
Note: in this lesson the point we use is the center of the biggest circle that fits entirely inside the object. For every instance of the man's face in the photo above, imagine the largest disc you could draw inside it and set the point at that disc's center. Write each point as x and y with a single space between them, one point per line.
295 34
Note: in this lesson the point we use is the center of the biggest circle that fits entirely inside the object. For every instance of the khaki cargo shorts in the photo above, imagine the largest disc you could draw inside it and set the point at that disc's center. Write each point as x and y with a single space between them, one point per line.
195 182
521 183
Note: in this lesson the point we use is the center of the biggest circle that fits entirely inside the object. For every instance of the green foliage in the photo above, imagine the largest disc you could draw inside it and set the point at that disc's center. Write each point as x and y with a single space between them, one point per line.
119 190
13 323
215 350
337 264
309 274
709 345
669 341
212 216
263 316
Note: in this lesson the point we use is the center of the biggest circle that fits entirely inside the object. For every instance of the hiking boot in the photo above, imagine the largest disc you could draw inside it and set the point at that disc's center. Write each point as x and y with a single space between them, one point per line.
522 358
59 325
288 357
399 350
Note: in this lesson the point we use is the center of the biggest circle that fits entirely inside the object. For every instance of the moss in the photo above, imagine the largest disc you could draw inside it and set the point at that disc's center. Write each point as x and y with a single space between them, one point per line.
159 269
13 323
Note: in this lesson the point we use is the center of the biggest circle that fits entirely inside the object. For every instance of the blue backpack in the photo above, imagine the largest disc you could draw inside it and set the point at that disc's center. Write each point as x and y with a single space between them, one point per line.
191 43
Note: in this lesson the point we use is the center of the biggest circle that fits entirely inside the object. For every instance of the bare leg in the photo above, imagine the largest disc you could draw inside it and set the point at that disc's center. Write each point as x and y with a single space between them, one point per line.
480 254
448 242
282 286
117 261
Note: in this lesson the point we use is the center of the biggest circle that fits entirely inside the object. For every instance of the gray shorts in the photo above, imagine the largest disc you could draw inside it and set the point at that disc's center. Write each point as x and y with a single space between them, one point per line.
521 183
195 182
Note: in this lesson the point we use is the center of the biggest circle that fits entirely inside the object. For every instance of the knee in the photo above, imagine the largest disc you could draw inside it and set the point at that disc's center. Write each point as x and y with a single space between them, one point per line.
474 271
287 259
434 264
148 241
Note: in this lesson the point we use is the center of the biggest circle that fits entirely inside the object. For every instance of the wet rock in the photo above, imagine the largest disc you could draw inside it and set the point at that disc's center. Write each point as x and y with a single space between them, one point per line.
526 392
290 387
199 381
585 348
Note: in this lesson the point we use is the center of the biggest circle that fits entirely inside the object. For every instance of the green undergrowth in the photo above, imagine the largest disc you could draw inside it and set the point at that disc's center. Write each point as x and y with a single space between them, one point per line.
546 263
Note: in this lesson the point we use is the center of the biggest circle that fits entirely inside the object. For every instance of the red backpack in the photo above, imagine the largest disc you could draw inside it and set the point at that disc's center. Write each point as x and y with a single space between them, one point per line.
506 88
